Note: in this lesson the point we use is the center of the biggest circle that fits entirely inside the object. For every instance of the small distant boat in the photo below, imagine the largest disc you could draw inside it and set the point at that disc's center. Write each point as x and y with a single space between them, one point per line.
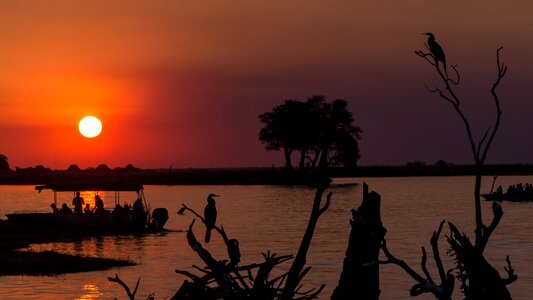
516 197
124 219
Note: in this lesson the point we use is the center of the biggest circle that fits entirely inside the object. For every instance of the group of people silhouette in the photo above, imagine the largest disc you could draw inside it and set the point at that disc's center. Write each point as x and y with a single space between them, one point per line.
516 189
78 203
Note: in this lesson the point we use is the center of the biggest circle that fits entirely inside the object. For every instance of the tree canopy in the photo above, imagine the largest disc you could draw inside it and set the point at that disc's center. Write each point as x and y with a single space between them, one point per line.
309 128
4 164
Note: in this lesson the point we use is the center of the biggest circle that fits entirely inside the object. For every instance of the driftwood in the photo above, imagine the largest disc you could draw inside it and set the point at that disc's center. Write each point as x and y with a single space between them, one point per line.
298 269
360 274
226 279
473 267
131 295
426 284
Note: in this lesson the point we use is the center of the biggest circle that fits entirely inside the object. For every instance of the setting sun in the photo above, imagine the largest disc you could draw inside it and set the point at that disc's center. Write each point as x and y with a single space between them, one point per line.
90 127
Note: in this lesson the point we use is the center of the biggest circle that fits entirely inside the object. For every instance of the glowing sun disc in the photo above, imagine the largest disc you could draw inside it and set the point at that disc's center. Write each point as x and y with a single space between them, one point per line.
90 127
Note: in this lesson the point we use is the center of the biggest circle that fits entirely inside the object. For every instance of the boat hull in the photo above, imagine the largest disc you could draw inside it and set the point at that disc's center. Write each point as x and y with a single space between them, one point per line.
506 197
125 220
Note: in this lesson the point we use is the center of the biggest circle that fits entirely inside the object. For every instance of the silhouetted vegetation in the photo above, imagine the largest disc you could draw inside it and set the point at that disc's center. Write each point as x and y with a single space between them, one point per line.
50 263
227 279
309 128
16 262
479 280
359 278
4 164
248 176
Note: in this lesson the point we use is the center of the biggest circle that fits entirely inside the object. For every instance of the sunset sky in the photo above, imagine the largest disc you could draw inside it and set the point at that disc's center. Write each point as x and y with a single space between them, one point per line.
181 83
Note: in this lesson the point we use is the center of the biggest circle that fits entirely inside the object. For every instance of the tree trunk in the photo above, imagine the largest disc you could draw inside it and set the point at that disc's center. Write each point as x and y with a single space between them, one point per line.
315 159
360 274
288 165
301 164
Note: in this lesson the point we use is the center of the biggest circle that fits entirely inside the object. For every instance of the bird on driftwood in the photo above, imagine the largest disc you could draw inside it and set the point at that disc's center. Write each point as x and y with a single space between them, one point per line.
436 50
233 252
210 216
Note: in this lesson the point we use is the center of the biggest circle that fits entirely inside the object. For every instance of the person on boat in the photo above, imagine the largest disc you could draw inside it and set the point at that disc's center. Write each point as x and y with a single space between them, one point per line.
519 188
78 203
118 208
65 209
529 188
138 206
98 204
87 208
54 208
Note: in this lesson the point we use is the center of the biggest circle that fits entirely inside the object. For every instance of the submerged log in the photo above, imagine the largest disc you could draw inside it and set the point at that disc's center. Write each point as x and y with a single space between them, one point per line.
360 274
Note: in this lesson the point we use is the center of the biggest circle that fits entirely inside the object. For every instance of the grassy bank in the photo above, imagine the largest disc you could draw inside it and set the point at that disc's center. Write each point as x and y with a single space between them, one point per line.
15 262
245 176
50 263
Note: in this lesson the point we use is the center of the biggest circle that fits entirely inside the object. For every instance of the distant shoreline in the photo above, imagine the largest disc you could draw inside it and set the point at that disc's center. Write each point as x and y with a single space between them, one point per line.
244 176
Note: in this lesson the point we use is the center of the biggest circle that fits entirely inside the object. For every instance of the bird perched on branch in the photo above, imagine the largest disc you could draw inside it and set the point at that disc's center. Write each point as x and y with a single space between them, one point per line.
210 216
436 50
233 252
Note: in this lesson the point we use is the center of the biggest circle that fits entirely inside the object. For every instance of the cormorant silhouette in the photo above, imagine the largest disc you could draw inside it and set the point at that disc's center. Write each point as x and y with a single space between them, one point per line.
437 51
233 252
210 216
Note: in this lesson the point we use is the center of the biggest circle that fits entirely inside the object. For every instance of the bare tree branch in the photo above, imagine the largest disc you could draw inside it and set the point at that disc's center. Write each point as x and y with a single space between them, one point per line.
436 254
423 265
497 214
511 276
391 259
125 286
425 285
502 70
328 202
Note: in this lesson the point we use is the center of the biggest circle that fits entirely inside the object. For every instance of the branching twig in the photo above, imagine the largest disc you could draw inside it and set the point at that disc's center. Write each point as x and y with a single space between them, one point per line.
326 205
391 259
125 286
425 285
436 254
511 276
497 214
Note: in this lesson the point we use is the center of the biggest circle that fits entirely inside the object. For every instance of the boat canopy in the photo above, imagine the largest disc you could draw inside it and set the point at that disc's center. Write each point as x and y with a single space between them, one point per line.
105 186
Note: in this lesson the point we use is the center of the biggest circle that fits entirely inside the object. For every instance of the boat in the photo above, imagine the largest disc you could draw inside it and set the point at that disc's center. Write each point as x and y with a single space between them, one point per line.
128 219
515 193
516 197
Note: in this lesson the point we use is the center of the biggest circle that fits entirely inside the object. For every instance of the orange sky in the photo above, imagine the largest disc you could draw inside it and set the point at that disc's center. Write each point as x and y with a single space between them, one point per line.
182 82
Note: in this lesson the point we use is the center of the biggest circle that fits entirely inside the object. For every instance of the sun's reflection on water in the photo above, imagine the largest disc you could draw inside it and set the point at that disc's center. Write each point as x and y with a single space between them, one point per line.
90 291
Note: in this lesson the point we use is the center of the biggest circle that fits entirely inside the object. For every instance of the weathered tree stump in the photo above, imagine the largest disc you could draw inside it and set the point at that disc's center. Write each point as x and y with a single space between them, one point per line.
360 274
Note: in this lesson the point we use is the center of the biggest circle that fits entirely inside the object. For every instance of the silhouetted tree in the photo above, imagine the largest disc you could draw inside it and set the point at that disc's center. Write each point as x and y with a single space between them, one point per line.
441 163
283 128
103 168
42 169
339 135
4 164
310 127
73 168
479 280
131 168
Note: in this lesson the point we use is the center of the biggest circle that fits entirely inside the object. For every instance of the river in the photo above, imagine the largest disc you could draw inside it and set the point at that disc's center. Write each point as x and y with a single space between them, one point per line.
274 218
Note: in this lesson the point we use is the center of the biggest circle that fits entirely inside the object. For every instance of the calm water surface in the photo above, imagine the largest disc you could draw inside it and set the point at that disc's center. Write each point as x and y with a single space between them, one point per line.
273 218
